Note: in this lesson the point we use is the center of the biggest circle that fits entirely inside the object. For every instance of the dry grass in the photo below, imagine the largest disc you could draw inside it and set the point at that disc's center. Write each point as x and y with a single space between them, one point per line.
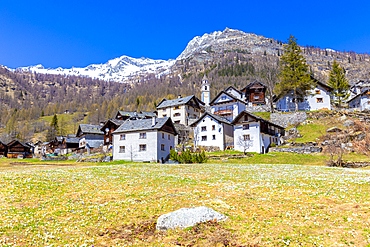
116 205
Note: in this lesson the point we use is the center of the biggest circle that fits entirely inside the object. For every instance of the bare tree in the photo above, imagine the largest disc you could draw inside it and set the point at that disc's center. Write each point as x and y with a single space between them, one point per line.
268 73
245 142
131 152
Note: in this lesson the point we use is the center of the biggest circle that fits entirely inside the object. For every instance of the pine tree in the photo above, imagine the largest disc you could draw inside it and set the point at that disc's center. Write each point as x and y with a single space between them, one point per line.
339 82
294 75
53 129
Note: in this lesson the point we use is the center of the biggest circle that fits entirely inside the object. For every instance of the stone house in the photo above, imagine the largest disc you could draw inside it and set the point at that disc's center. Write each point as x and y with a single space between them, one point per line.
211 130
183 110
144 140
318 98
255 133
227 104
90 136
360 101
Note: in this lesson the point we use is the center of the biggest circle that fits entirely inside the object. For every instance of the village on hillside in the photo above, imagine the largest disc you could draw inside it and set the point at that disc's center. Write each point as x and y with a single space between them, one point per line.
229 121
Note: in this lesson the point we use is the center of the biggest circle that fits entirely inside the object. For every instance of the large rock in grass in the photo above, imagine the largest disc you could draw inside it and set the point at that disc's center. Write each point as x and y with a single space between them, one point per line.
187 217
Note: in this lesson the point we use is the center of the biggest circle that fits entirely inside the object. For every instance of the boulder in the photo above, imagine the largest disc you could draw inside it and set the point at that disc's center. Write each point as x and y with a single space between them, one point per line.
333 129
348 123
187 217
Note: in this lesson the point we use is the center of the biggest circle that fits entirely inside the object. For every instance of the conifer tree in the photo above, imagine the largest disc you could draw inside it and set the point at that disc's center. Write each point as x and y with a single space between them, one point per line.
53 129
294 75
339 82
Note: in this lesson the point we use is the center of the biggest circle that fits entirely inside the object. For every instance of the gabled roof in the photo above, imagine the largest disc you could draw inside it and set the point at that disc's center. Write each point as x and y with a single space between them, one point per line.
72 139
214 116
180 101
359 95
230 95
1 143
116 122
325 86
17 141
243 113
232 87
144 124
89 129
253 83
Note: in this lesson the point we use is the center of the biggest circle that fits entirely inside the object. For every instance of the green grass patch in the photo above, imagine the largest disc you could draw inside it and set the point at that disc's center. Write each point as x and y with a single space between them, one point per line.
265 115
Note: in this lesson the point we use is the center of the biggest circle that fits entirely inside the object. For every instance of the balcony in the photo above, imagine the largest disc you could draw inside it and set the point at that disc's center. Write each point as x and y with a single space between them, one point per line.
224 112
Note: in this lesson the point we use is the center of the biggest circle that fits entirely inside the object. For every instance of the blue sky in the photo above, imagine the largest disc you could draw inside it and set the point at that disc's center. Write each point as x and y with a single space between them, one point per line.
79 33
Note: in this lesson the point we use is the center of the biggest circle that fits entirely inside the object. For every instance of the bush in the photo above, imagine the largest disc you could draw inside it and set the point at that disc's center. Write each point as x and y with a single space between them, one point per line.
188 157
273 145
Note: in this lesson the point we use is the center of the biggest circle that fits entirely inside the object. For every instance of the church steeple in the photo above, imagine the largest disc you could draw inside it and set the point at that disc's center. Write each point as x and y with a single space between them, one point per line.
205 90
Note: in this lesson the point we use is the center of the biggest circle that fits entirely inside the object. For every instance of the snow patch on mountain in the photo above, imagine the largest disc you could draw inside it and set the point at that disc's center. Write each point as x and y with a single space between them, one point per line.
119 69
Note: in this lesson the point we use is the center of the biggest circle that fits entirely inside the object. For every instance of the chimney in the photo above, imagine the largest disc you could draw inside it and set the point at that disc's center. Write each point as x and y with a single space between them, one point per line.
154 120
179 96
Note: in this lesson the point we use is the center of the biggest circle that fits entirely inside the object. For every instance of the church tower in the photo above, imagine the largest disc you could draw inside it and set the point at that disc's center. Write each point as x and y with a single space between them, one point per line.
205 90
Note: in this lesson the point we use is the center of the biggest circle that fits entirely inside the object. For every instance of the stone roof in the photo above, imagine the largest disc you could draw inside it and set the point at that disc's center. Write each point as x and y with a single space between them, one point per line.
214 116
137 114
90 129
256 117
174 102
72 139
143 124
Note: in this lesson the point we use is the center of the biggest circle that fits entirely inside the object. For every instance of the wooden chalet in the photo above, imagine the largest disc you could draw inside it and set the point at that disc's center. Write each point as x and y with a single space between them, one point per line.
3 149
19 150
108 127
255 93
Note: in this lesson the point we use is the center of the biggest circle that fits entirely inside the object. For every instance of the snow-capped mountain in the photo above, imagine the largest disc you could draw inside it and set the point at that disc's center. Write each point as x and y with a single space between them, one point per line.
119 69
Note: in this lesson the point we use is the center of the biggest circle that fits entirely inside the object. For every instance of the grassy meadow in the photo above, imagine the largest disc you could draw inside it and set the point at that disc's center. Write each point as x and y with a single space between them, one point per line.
117 205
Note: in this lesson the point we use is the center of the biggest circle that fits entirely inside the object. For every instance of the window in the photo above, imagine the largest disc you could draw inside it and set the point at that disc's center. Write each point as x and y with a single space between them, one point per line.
223 98
122 149
142 147
245 126
245 118
320 100
176 107
162 135
246 137
164 110
142 135
204 138
205 87
107 140
122 137
169 137
213 127
204 128
162 147
317 92
177 114
178 121
213 137
164 115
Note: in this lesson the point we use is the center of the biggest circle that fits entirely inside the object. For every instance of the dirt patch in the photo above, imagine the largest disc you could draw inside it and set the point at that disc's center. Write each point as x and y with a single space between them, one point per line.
209 233
141 231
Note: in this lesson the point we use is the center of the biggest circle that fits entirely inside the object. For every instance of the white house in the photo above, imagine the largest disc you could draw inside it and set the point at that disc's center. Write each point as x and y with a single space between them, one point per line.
361 101
182 110
318 98
90 136
255 134
144 140
227 105
213 131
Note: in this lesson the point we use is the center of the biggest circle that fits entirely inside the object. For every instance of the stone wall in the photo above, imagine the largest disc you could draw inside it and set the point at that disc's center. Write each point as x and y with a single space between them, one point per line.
284 119
297 150
53 158
257 108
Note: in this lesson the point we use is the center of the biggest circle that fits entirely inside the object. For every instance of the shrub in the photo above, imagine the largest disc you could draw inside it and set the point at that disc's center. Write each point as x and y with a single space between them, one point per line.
188 157
273 145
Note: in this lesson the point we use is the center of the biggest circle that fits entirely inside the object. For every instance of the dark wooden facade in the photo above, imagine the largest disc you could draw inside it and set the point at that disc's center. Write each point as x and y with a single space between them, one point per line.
17 149
3 149
110 126
255 93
